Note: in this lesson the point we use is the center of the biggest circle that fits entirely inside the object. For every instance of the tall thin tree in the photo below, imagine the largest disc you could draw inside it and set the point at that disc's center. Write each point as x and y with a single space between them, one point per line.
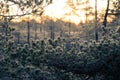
96 29
106 13
28 34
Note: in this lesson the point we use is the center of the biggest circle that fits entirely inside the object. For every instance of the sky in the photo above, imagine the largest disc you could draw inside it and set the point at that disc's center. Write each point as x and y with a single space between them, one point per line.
60 9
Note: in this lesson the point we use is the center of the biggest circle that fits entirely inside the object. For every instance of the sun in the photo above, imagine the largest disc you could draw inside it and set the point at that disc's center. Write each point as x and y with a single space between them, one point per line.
59 9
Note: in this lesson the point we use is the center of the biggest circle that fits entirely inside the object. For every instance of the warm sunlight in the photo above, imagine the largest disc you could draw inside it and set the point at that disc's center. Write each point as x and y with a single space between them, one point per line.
100 4
62 9
59 39
56 9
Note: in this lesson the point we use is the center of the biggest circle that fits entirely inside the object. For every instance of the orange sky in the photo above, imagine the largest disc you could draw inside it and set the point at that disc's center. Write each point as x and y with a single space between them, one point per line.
59 9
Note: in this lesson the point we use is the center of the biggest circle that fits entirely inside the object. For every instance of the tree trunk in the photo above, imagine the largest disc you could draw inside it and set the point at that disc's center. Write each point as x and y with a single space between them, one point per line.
106 14
52 32
96 28
35 31
28 37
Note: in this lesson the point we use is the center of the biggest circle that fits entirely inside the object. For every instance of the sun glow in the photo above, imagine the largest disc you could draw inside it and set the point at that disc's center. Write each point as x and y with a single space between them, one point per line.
101 4
61 9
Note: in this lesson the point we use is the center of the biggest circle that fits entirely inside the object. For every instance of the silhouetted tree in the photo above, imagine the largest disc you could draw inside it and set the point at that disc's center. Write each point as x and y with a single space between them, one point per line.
106 13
